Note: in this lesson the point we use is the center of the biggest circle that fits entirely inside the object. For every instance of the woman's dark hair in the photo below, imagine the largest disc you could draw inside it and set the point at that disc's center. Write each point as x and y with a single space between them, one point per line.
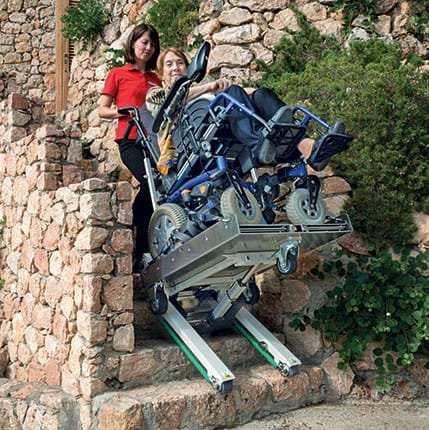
138 32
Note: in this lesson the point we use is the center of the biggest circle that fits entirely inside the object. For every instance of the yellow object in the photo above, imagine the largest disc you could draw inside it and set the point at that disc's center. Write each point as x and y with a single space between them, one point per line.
167 151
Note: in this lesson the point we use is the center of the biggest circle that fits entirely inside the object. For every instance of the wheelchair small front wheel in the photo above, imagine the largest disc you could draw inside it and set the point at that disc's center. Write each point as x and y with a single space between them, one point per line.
231 204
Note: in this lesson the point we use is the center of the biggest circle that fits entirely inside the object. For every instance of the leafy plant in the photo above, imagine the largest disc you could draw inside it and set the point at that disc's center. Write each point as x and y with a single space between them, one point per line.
419 19
84 21
384 300
385 105
114 58
174 19
353 8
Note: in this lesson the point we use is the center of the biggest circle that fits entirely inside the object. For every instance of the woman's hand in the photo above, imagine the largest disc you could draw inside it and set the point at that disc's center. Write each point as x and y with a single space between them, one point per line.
220 85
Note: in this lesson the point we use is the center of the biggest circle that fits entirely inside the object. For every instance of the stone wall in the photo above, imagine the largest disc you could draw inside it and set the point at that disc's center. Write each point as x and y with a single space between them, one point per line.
66 259
27 50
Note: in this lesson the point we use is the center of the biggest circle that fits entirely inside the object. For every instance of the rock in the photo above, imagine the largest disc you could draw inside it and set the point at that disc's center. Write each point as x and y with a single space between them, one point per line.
285 20
237 35
305 344
339 381
228 55
120 412
235 16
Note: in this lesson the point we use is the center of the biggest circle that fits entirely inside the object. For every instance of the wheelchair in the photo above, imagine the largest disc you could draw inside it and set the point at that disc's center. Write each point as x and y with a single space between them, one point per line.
214 176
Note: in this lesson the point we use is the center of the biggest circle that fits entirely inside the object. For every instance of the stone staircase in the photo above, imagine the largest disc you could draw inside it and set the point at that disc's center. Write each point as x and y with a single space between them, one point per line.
158 388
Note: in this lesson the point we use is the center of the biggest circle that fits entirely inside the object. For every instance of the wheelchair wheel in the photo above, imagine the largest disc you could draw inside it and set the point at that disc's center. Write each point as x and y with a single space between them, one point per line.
168 218
298 208
231 204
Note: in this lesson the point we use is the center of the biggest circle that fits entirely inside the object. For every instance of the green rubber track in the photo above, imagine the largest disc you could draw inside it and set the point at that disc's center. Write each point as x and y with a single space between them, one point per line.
251 339
188 353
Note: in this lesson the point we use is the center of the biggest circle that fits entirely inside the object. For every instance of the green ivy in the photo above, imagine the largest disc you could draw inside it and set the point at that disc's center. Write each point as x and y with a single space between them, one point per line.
385 105
84 21
384 300
174 19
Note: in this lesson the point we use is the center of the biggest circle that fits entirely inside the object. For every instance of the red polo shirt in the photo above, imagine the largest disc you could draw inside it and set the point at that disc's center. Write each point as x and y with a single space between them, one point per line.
128 86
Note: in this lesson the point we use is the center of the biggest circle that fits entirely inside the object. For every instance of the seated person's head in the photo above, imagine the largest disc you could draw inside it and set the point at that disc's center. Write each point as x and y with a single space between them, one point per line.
171 64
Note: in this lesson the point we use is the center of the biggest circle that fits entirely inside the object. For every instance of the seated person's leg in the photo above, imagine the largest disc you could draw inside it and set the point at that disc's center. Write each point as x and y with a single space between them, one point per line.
266 103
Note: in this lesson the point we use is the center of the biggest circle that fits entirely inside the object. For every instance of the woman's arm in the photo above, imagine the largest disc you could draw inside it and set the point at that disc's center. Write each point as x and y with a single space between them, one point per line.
106 108
212 87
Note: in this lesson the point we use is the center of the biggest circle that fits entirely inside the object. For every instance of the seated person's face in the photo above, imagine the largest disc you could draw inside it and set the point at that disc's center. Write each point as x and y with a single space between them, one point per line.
174 66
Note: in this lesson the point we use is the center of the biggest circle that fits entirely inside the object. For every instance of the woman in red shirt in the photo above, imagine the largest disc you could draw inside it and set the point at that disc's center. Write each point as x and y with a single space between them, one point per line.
127 86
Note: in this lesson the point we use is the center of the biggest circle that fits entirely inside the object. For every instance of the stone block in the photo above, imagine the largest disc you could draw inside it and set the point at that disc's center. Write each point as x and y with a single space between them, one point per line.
48 151
339 381
120 412
91 300
17 101
53 372
93 329
123 339
123 265
42 317
96 206
304 344
27 255
71 174
118 293
295 296
91 238
97 263
246 33
122 241
47 182
124 191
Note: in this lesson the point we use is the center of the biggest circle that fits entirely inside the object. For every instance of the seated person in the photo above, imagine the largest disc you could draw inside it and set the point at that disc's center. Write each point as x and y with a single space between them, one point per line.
172 63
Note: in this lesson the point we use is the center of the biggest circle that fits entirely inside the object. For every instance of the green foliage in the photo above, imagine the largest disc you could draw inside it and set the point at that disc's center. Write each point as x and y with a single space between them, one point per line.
174 20
294 53
419 19
353 8
385 105
114 58
84 21
383 300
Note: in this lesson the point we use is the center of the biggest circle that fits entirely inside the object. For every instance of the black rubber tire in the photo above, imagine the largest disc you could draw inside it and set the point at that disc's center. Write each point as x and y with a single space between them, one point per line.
159 304
226 387
167 218
230 204
252 294
291 264
298 208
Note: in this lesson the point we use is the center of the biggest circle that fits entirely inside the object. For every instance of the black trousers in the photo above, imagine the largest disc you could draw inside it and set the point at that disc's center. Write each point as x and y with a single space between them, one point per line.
132 156
262 101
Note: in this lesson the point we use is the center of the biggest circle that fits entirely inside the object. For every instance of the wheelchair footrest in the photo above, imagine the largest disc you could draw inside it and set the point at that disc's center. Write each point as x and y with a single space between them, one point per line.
286 134
327 146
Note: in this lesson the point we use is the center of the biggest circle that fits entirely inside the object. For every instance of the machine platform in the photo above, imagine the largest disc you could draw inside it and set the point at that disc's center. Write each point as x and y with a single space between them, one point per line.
216 269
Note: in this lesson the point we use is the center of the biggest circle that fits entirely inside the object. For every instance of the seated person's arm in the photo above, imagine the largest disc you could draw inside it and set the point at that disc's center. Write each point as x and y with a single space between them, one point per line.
211 87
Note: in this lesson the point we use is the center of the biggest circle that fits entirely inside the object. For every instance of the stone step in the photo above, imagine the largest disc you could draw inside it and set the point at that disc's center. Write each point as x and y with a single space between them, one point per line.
156 360
194 404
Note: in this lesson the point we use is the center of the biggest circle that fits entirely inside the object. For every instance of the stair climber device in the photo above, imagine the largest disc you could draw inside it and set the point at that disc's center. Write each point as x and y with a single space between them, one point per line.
208 284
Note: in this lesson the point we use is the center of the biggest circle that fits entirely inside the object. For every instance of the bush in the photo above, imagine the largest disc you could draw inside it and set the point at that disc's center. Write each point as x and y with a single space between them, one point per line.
84 21
383 300
174 20
385 105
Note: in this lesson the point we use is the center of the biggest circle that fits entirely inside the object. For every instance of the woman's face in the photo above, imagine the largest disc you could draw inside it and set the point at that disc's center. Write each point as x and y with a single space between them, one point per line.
144 48
173 67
